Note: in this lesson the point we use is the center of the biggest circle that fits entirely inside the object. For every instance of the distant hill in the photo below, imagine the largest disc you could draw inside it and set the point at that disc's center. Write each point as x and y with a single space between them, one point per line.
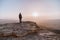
3 21
53 24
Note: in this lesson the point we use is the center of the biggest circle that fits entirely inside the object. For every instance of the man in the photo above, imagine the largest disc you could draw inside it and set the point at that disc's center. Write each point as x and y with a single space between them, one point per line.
20 17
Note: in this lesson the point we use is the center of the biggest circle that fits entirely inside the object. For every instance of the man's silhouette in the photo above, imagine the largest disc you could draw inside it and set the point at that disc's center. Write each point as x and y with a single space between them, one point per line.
20 17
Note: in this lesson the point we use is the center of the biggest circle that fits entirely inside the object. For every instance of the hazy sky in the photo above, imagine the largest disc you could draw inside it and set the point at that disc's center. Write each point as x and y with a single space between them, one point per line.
46 9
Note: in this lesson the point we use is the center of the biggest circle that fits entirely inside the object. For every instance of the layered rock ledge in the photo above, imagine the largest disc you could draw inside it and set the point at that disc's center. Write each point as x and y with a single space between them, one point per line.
18 29
25 31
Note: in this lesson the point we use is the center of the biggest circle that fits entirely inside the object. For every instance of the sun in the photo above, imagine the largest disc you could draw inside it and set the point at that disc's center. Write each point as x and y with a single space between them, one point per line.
35 14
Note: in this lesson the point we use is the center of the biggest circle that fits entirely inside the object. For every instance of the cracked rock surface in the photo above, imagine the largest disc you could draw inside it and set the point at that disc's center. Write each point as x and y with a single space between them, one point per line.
17 29
25 31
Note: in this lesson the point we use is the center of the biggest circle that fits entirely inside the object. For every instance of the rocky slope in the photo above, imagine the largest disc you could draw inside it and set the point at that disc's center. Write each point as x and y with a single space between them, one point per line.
25 31
17 29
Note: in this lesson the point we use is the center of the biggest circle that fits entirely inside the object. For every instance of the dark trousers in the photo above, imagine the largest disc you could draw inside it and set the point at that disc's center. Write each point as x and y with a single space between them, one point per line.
20 19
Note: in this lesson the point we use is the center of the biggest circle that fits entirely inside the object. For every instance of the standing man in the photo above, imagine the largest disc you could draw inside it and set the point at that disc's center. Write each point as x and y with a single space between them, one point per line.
20 17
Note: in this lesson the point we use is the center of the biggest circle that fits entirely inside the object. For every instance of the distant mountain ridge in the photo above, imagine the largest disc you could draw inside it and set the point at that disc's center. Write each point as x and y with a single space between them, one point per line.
3 21
53 24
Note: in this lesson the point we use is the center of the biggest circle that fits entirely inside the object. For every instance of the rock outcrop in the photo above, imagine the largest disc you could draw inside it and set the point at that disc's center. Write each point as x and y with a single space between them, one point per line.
25 31
18 29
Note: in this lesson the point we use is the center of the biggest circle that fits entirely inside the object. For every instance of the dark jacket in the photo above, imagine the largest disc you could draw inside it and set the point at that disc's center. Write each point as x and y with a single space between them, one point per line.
20 16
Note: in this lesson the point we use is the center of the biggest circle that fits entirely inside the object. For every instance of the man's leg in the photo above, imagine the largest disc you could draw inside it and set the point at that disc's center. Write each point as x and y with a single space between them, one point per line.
20 21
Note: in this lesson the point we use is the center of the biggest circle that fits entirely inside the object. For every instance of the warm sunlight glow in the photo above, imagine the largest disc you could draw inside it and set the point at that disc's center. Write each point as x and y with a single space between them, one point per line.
35 14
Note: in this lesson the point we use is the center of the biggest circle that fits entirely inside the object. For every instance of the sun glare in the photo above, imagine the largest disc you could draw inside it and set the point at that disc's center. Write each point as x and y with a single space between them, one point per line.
35 14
